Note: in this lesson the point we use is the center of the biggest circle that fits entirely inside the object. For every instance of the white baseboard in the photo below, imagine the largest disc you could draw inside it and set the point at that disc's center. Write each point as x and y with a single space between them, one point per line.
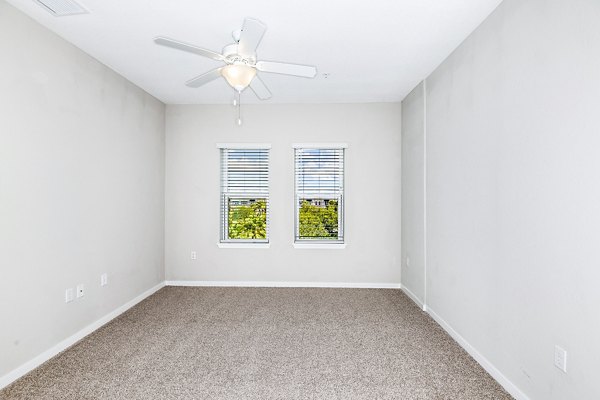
71 340
285 284
53 351
487 365
414 298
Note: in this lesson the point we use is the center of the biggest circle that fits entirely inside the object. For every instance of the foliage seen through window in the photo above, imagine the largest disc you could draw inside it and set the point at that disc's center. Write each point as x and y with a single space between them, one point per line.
318 219
247 219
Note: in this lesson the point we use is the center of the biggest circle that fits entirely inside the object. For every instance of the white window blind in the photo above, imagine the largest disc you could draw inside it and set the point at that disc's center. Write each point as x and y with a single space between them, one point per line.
319 194
244 195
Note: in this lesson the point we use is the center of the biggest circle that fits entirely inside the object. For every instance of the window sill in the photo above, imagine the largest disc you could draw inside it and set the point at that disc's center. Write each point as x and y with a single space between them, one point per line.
323 246
243 245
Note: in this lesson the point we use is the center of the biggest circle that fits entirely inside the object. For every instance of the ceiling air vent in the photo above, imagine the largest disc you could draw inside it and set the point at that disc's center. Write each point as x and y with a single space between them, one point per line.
60 8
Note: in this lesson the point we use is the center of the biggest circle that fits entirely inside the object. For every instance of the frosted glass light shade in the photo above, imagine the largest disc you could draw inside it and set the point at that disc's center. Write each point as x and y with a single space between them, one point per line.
238 76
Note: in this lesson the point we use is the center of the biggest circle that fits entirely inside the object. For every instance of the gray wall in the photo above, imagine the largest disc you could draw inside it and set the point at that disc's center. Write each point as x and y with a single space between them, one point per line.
81 189
372 205
513 193
413 202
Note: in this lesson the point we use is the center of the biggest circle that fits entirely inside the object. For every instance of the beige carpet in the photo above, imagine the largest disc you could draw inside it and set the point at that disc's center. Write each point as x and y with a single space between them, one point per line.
264 343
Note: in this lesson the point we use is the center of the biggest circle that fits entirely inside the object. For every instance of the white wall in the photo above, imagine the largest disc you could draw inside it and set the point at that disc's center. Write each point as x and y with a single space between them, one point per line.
513 194
413 202
372 204
81 189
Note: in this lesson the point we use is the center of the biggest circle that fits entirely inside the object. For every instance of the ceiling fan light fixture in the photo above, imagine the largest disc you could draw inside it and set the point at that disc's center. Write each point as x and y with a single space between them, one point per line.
238 76
241 67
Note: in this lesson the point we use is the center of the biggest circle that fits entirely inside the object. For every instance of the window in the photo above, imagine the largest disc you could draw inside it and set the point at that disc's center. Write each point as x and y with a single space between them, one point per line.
319 193
244 194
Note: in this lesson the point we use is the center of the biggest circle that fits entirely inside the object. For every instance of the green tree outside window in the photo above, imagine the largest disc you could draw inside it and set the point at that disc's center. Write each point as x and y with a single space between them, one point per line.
247 219
318 219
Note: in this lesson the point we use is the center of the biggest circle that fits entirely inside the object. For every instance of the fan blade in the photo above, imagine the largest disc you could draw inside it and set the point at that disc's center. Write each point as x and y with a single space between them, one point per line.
204 78
260 89
176 44
252 32
307 71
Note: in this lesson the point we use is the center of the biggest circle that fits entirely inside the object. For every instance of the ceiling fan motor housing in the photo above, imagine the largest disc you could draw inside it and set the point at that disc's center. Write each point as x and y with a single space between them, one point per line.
232 56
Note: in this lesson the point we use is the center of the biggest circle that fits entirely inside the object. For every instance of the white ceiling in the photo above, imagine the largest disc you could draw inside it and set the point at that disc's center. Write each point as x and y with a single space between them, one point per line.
374 50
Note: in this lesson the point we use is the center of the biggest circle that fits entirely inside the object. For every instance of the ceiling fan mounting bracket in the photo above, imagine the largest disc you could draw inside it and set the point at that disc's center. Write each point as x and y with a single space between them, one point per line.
236 34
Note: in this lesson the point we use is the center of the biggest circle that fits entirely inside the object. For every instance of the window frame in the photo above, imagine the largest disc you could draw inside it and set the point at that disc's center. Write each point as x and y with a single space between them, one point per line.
340 197
224 197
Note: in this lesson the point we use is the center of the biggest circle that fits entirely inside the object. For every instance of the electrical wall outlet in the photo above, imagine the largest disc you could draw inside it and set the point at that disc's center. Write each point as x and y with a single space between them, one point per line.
69 295
104 279
193 255
560 358
80 290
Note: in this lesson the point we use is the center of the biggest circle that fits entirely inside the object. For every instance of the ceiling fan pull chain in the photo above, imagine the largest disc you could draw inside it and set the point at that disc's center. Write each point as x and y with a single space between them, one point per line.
239 107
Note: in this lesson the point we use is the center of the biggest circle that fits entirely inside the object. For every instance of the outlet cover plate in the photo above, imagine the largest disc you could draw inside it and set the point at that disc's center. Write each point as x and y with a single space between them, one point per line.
80 290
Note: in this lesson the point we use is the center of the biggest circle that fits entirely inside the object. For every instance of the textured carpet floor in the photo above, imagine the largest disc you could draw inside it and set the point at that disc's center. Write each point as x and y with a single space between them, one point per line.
264 343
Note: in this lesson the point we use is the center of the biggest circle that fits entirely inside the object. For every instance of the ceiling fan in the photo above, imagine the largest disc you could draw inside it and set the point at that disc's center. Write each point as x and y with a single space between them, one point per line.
241 66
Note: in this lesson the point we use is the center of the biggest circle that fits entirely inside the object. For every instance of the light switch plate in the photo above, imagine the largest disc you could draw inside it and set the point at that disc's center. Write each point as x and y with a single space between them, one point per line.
560 358
69 295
